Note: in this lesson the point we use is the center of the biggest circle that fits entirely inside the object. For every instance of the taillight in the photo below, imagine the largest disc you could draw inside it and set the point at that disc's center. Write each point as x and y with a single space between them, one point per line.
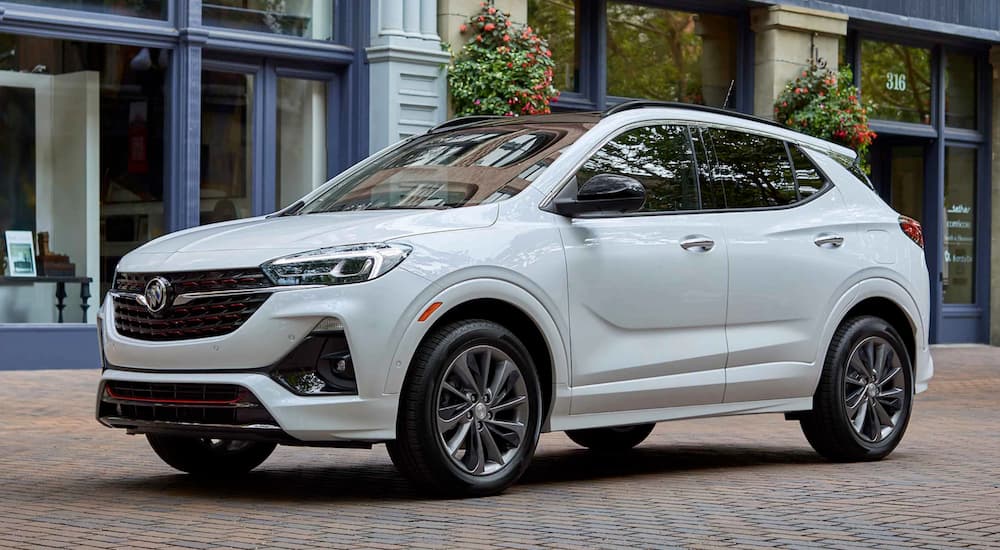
912 229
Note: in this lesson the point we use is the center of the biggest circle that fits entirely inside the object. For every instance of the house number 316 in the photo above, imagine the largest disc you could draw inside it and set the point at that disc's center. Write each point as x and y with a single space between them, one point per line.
895 82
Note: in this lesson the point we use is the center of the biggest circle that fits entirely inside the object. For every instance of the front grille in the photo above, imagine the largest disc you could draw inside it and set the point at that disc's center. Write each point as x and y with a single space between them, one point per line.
217 404
196 281
199 318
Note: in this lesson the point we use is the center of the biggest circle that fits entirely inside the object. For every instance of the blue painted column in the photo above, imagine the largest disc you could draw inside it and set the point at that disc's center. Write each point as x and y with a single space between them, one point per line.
184 168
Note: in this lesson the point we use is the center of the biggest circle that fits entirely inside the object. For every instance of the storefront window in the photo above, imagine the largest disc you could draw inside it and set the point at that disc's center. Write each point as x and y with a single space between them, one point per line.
556 21
81 162
656 53
301 138
306 18
897 79
960 91
907 180
226 145
151 9
960 225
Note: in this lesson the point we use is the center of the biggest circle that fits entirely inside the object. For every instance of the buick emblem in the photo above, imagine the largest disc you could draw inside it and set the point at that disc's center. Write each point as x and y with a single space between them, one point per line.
156 294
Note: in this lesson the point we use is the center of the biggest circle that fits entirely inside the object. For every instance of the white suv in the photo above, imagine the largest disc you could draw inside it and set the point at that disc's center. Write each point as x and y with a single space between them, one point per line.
458 293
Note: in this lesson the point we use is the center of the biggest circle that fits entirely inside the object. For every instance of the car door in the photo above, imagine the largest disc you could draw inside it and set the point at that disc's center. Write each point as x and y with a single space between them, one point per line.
647 289
790 252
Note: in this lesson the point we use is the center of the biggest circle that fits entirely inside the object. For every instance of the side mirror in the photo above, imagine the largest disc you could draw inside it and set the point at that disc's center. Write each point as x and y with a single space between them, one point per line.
604 193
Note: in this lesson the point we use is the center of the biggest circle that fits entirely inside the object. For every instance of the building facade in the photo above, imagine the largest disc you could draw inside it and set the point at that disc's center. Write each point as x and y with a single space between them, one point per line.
122 120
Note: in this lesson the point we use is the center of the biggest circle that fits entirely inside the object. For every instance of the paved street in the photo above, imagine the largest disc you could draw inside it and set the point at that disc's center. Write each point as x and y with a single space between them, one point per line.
65 481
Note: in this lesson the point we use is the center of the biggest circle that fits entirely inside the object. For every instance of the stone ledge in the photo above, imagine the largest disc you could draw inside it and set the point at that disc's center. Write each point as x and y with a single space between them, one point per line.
798 19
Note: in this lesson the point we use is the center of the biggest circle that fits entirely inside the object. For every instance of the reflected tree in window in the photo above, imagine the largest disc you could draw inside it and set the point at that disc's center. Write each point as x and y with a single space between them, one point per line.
670 55
556 21
660 157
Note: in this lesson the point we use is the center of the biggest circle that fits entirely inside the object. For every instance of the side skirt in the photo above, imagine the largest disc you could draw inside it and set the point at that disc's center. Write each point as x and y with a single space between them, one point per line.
625 418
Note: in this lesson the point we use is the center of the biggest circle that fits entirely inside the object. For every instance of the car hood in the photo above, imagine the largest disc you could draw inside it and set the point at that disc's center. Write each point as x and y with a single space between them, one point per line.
252 241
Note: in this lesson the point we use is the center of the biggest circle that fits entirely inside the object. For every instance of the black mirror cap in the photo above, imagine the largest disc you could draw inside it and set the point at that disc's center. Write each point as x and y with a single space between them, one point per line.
604 194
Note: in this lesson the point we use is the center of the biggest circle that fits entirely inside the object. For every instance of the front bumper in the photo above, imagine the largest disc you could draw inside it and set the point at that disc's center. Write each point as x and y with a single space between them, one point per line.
303 418
374 314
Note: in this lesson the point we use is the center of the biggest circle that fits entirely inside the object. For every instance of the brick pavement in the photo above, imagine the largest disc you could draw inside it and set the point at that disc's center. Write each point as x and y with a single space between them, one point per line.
753 481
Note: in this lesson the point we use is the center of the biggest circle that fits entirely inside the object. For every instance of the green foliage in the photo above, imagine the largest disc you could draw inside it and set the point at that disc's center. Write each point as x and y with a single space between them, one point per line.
827 105
505 69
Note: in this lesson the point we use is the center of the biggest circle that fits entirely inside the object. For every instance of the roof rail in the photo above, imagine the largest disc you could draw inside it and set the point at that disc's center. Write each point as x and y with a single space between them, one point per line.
464 121
645 103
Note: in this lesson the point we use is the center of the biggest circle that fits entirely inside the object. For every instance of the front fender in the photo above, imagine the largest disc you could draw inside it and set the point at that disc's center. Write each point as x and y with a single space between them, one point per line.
459 293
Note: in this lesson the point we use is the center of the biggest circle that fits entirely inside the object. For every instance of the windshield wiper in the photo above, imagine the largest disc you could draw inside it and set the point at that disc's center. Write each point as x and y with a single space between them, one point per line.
289 210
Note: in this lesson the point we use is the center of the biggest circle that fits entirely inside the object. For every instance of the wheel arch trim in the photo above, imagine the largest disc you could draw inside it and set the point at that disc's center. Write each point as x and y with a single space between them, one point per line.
478 289
885 289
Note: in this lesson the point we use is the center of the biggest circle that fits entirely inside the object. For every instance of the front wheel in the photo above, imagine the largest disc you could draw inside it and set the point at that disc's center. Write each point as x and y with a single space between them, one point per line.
618 438
210 457
862 404
470 411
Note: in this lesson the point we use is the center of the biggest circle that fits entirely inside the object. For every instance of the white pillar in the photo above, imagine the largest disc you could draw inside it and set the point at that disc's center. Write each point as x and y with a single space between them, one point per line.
411 17
428 20
389 16
407 79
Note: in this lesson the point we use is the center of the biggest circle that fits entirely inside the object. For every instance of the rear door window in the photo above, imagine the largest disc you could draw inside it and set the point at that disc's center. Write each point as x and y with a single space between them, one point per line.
753 171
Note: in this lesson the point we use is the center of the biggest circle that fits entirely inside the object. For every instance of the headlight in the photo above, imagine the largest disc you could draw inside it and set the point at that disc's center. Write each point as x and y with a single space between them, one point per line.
337 265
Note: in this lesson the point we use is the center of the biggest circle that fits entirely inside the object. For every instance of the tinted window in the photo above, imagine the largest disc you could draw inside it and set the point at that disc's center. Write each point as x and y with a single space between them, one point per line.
660 157
808 178
754 171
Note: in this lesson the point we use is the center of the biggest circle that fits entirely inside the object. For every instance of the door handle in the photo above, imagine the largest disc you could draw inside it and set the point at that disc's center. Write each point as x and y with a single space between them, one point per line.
698 244
829 241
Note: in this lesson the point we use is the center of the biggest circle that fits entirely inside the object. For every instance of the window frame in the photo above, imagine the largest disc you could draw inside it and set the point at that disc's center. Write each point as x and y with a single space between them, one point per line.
592 34
559 189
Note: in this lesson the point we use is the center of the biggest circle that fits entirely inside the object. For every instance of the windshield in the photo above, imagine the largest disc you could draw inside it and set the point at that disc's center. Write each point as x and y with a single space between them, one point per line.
455 168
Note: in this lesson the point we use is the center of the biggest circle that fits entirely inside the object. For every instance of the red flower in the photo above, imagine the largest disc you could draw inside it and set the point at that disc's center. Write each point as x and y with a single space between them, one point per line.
492 11
489 27
506 38
463 27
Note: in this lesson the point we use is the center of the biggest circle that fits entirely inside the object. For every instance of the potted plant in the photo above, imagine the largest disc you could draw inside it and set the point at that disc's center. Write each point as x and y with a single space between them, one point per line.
504 69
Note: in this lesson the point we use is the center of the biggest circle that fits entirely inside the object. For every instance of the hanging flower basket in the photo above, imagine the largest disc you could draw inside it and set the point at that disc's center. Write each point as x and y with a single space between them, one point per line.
504 69
827 105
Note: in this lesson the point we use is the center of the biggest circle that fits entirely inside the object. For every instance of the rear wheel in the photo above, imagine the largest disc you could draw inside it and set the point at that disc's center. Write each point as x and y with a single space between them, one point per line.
469 413
862 404
210 457
618 438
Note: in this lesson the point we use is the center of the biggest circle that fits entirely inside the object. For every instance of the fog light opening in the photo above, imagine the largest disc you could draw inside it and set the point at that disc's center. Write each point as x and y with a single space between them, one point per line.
321 364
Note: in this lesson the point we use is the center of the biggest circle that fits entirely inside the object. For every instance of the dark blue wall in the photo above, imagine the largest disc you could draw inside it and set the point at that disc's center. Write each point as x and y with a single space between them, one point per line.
981 17
983 14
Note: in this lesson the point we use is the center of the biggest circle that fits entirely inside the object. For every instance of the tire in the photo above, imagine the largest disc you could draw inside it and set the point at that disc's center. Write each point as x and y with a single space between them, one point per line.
865 395
210 457
618 438
481 427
